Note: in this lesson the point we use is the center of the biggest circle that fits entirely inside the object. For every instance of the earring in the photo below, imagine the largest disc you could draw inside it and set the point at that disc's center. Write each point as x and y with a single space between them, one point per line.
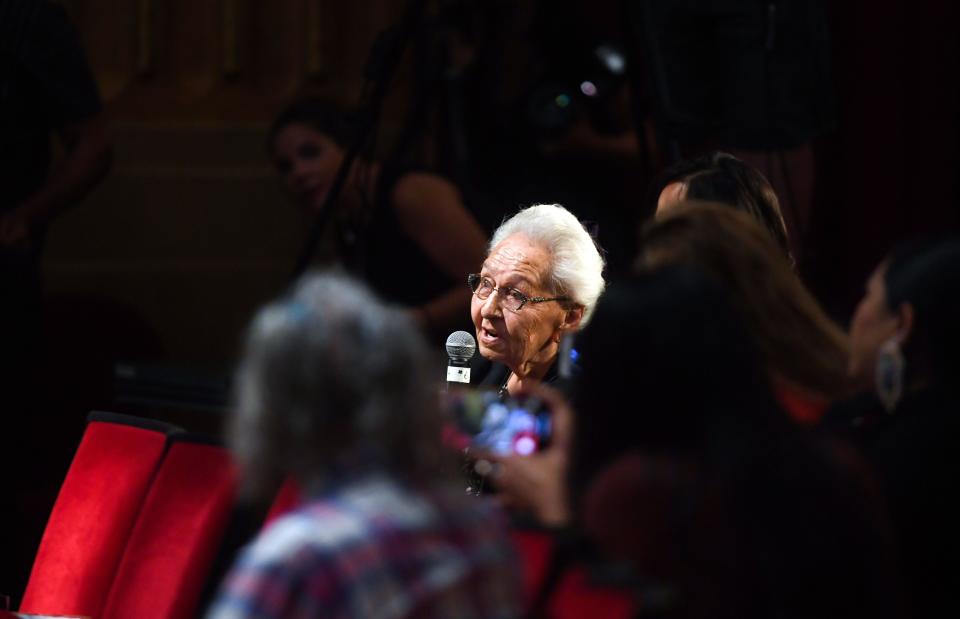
889 374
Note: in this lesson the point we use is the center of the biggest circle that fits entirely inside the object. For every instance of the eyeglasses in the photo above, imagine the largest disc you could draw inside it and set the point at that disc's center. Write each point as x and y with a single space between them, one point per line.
511 298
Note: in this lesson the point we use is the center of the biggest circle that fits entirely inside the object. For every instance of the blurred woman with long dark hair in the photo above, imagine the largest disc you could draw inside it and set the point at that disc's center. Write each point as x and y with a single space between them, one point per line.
684 465
804 352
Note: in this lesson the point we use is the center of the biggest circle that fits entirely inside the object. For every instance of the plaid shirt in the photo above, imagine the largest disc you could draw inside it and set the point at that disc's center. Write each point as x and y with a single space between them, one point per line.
375 548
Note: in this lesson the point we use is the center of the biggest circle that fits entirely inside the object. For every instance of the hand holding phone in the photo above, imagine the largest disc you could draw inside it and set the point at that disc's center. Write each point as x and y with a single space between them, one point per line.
502 426
537 484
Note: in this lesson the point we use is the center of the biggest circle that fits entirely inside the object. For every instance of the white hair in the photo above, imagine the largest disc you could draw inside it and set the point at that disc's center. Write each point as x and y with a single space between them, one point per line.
330 372
577 266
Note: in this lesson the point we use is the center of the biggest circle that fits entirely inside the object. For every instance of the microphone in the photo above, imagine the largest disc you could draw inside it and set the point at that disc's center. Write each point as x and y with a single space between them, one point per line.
460 349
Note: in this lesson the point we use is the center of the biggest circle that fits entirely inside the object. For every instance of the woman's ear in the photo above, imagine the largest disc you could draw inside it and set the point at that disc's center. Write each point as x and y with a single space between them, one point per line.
905 317
570 321
572 318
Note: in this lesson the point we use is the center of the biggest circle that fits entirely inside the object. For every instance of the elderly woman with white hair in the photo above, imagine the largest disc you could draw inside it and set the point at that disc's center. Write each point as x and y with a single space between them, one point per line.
541 279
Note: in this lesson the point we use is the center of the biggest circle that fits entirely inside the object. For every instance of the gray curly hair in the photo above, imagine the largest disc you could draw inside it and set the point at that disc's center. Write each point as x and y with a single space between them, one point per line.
577 267
331 378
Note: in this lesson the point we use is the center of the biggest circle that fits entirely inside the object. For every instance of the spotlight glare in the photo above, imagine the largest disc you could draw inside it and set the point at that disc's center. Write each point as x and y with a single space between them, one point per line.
612 59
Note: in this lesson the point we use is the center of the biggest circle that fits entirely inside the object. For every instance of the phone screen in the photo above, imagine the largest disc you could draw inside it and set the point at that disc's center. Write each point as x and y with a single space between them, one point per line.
503 426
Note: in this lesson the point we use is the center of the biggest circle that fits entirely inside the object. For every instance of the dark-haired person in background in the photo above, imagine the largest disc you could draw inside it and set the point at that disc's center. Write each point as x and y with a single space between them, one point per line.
724 179
405 232
905 355
745 77
46 88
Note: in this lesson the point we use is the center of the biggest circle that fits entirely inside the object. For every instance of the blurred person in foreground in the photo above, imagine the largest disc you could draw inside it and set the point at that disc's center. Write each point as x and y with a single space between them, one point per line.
333 391
804 352
403 231
683 464
905 340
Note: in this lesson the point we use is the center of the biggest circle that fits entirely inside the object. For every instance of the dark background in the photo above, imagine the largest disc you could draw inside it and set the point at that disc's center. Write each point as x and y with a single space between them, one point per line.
190 231
166 260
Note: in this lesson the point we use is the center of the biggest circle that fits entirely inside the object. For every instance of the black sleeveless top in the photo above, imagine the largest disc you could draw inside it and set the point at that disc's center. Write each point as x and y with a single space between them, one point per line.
379 251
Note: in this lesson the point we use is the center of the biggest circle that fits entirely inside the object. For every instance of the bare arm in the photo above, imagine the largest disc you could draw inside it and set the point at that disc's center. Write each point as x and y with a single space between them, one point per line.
87 159
431 212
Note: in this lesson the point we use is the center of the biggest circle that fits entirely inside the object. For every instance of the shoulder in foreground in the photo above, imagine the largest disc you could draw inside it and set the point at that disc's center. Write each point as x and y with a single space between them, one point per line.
377 543
357 513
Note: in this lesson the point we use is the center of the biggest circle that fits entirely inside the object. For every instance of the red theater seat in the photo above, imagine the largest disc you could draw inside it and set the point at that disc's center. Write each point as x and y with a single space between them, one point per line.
94 514
170 552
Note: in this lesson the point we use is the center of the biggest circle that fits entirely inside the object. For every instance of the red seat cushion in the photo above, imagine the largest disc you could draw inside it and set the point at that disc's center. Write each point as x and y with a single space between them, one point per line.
181 525
92 519
576 597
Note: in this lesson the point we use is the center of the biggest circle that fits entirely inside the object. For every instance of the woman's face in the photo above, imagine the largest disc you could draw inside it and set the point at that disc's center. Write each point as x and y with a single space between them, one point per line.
307 162
518 339
873 324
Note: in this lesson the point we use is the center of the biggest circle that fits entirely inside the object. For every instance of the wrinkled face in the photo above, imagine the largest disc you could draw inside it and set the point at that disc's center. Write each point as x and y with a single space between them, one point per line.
671 195
873 324
307 162
517 339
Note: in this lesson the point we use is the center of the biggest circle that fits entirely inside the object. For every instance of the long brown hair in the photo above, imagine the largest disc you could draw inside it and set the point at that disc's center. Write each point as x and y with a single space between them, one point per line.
799 343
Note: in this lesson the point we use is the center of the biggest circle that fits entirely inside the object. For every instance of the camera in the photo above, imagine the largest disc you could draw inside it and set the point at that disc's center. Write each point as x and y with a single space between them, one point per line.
584 87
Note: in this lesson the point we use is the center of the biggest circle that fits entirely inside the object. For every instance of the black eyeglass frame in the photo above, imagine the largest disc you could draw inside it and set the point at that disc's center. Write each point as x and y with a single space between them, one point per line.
474 280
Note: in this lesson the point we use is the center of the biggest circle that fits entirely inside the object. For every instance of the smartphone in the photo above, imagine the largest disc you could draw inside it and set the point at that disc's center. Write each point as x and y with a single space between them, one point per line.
504 426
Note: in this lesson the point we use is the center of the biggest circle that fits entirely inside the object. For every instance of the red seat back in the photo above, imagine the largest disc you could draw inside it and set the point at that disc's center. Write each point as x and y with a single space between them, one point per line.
172 547
94 514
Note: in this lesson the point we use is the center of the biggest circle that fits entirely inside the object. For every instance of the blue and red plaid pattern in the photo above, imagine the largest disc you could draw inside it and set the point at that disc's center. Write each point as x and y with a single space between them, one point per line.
376 548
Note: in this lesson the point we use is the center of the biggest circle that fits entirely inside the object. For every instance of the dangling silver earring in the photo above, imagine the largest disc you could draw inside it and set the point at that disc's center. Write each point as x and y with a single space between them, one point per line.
889 374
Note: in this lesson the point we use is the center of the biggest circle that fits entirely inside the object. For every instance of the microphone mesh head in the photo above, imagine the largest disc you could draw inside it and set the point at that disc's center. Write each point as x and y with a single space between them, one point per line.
461 346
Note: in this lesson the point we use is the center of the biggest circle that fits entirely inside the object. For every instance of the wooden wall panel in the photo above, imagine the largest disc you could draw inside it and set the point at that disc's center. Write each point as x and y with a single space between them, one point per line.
107 28
191 228
225 59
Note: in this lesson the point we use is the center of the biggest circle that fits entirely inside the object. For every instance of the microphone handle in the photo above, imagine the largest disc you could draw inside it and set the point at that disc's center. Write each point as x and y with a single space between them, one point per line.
458 372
